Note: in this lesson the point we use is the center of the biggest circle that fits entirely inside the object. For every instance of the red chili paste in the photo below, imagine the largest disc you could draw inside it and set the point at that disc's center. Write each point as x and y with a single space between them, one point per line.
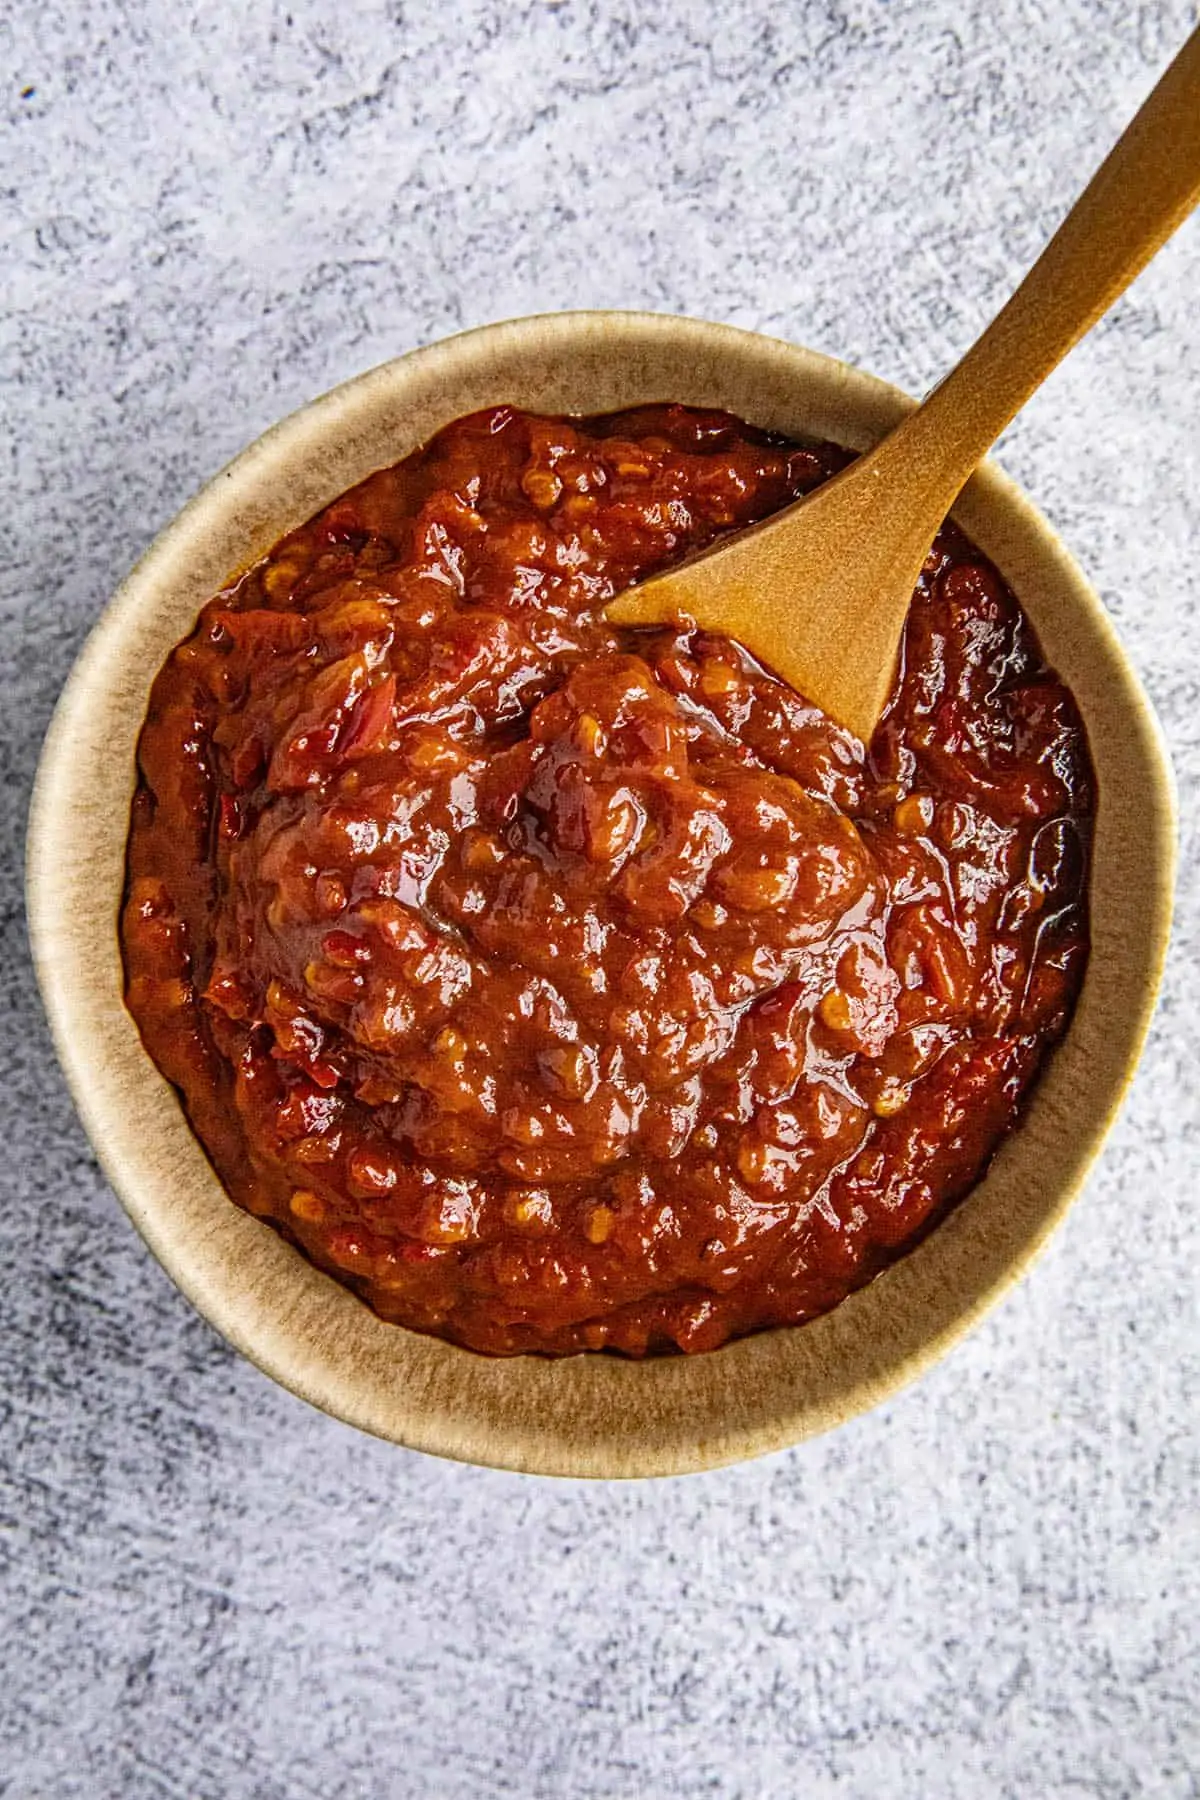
557 987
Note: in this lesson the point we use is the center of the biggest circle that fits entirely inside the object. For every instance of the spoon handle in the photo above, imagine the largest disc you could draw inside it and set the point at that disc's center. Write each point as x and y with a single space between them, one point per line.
1140 194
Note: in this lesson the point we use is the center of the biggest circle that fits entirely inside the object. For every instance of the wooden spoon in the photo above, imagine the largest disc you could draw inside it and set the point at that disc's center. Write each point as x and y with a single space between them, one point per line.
820 591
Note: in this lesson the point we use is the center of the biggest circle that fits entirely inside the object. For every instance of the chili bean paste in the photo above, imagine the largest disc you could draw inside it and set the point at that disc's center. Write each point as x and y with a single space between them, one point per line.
557 987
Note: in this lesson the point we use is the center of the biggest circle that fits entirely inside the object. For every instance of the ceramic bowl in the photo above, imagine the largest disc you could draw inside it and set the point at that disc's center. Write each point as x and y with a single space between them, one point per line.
585 1415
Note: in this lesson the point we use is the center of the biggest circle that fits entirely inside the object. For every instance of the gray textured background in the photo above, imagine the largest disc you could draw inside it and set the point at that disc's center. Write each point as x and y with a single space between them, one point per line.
988 1587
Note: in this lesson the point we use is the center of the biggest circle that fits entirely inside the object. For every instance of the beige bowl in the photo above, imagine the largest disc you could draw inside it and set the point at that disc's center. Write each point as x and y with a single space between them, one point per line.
588 1415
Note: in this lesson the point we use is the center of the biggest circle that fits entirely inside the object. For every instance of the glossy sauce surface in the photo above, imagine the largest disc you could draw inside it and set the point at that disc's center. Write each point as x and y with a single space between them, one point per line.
559 988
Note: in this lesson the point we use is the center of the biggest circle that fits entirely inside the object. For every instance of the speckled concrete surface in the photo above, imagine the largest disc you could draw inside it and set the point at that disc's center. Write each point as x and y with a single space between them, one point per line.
210 1592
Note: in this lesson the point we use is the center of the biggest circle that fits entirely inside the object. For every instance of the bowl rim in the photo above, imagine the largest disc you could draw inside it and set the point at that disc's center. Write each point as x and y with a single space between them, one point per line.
583 1416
